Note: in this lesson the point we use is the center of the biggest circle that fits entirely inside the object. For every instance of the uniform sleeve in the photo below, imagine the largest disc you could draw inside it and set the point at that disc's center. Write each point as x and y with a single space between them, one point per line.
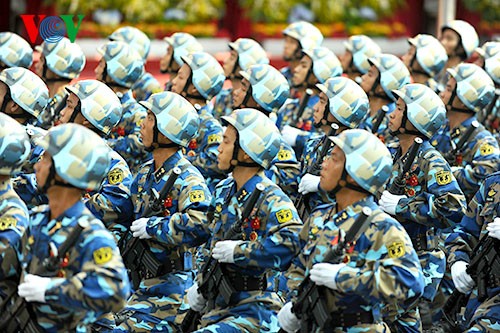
130 145
441 203
12 227
101 285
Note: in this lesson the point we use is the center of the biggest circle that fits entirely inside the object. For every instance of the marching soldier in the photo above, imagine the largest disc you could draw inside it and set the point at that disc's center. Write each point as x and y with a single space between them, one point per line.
378 267
15 51
267 240
358 49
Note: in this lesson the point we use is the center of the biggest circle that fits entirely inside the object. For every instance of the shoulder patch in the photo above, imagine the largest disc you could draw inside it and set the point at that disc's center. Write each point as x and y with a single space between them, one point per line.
214 138
115 176
284 155
103 255
443 177
284 215
486 149
7 222
196 196
396 250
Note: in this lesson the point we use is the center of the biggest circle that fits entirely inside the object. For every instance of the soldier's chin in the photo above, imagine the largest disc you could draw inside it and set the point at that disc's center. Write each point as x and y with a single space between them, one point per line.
287 58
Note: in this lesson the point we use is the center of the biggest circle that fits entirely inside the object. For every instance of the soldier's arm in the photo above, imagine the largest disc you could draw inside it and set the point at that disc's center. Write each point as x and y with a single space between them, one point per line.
13 225
130 143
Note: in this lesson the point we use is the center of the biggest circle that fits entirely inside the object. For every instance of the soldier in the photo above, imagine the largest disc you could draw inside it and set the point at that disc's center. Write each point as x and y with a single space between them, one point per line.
59 64
387 72
425 58
157 303
268 239
178 45
89 278
468 91
358 49
245 52
379 267
480 224
120 67
137 40
14 218
15 51
316 66
200 79
341 102
298 36
430 201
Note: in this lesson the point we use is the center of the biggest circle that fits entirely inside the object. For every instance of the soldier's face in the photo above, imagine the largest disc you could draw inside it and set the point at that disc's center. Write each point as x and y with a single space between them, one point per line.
166 59
226 148
369 79
240 93
479 59
447 92
450 40
345 60
3 92
331 169
396 116
300 71
230 63
181 79
68 110
147 129
291 46
408 56
39 65
320 108
42 169
99 70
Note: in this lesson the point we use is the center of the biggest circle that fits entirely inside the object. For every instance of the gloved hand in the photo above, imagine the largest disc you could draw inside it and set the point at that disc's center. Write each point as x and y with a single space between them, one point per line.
224 250
290 134
325 274
389 201
287 320
462 281
138 228
455 168
33 288
308 184
494 228
195 300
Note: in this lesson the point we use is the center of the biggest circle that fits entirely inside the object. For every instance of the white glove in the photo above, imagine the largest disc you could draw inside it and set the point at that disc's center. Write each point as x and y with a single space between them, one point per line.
494 228
195 300
138 228
309 183
290 134
287 320
33 288
388 202
224 251
455 168
324 274
462 281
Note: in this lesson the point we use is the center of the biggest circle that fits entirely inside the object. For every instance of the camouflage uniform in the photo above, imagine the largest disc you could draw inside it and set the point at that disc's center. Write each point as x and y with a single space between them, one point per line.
223 103
383 130
287 114
270 243
285 170
145 86
483 208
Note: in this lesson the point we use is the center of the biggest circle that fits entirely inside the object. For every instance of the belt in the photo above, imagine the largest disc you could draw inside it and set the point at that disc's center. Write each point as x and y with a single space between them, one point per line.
247 283
341 319
419 242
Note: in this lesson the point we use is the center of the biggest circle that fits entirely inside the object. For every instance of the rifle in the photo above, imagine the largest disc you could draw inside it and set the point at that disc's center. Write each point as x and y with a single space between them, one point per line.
485 113
303 105
18 315
399 183
214 282
378 119
302 201
135 252
484 263
452 155
311 307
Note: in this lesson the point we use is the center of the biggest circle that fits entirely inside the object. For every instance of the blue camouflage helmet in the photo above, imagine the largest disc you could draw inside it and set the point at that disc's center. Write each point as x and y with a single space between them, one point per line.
492 67
134 37
393 72
26 89
249 53
347 100
176 118
15 146
258 135
474 86
307 34
15 51
270 88
123 64
367 159
424 108
489 49
99 104
325 63
362 47
80 156
182 44
467 33
64 58
430 53
206 72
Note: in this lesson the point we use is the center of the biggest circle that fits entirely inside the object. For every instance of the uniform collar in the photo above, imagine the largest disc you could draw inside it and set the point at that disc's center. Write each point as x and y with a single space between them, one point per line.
169 164
243 193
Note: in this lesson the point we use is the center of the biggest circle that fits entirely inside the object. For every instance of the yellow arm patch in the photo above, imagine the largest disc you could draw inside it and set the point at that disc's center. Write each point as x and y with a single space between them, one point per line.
7 222
115 176
396 250
214 138
486 149
103 255
284 215
443 177
196 196
284 155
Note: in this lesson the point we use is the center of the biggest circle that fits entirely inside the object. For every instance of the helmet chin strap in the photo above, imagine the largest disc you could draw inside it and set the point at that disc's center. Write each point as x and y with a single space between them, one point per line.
47 80
234 74
414 70
112 82
373 92
169 69
402 128
155 144
234 159
185 93
450 107
51 181
343 183
324 121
